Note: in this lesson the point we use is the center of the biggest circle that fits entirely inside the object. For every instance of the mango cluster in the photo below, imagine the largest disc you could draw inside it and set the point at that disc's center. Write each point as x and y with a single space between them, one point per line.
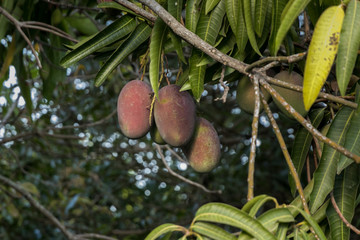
173 121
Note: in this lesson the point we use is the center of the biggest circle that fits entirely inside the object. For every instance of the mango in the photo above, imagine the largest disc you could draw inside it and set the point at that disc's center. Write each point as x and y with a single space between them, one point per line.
133 109
203 152
293 97
175 115
245 95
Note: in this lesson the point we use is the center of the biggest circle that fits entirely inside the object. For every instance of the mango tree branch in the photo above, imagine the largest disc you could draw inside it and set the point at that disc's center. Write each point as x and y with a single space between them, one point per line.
286 155
37 205
18 27
194 39
306 123
158 148
137 9
254 132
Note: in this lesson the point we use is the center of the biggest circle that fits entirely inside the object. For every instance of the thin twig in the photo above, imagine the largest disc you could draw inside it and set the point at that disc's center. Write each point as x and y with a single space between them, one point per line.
254 132
175 154
286 155
93 235
137 9
349 225
9 112
181 177
18 27
289 59
300 89
67 5
47 28
37 205
226 88
306 123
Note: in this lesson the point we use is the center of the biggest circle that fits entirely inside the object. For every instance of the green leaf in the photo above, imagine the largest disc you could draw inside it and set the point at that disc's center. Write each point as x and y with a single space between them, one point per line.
278 7
192 16
282 230
324 175
140 35
117 6
260 203
22 75
118 29
249 26
81 23
196 74
210 4
302 144
295 7
271 219
31 188
352 142
163 229
311 222
175 8
260 13
349 40
226 214
212 231
157 40
208 28
345 192
176 41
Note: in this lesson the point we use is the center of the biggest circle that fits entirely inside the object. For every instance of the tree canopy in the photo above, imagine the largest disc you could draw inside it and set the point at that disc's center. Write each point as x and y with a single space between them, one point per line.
278 80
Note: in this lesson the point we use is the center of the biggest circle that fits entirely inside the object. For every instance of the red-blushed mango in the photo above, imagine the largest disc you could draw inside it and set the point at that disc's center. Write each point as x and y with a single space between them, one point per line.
175 115
133 108
203 152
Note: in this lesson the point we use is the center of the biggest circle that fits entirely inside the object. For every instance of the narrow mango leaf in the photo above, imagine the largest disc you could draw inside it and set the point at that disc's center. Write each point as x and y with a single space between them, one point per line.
295 7
260 13
349 40
176 41
212 231
324 175
357 96
110 34
117 6
31 188
208 28
345 192
297 201
311 222
235 16
278 7
267 25
282 231
314 10
8 60
271 219
248 205
192 16
352 142
302 144
157 40
140 35
256 207
229 215
196 74
210 4
4 24
175 8
163 229
22 75
322 50
56 74
249 26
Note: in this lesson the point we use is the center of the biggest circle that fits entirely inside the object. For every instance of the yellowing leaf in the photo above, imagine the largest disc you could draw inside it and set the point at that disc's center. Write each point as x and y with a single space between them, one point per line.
322 51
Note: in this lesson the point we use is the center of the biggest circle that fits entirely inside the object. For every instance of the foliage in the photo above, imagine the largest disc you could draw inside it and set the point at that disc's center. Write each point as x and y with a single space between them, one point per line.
59 139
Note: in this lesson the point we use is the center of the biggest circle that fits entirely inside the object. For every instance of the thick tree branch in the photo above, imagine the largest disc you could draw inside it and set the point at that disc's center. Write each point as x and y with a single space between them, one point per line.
194 39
